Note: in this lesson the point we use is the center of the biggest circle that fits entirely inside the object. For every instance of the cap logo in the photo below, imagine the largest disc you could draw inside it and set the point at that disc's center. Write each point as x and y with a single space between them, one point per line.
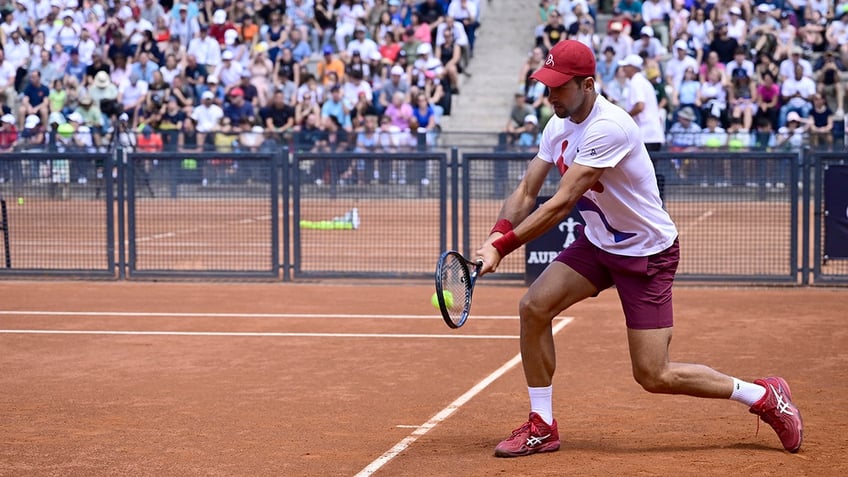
550 61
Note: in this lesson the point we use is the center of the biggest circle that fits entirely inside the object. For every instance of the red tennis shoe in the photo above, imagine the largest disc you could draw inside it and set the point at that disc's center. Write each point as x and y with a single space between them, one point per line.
532 437
776 409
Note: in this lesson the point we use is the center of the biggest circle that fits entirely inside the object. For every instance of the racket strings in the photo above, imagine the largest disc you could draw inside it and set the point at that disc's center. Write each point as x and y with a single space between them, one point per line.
455 279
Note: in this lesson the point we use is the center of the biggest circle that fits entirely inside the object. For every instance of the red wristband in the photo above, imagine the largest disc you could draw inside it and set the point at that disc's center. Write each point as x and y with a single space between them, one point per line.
503 226
506 244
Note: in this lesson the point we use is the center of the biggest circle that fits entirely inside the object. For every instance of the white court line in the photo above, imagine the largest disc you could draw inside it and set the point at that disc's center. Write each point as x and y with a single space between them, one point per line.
446 412
238 315
256 334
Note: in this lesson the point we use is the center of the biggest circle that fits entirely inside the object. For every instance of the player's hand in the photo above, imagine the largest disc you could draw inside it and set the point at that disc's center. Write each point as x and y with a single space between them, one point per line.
490 256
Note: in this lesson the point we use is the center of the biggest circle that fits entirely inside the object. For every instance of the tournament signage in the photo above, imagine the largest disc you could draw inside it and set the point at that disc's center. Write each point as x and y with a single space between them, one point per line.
836 212
542 251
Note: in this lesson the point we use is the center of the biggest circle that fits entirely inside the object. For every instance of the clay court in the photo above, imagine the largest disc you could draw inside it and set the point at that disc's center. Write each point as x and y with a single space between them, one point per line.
316 379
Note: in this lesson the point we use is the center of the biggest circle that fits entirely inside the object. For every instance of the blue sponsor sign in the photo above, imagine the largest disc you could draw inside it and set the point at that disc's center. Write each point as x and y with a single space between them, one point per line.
836 212
542 251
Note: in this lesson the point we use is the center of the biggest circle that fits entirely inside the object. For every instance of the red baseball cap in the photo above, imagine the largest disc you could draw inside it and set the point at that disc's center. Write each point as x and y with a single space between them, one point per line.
566 60
237 92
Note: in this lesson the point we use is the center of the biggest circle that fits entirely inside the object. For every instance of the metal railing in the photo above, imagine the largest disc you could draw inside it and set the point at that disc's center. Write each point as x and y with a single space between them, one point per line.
746 217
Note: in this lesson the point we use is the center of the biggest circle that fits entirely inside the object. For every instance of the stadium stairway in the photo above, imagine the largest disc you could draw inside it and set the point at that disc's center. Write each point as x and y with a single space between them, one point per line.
503 42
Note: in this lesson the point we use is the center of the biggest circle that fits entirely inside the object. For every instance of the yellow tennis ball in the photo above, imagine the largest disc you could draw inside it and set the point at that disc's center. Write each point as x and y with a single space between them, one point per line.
448 296
20 201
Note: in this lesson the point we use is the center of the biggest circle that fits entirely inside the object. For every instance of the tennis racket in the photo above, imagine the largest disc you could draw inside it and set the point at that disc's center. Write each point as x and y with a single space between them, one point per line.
455 277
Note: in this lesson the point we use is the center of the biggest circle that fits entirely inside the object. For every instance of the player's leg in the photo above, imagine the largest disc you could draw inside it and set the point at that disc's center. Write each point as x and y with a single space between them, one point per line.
556 289
572 277
644 286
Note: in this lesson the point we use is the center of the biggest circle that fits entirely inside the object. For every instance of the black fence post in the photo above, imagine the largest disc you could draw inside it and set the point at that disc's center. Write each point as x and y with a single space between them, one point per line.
5 219
119 169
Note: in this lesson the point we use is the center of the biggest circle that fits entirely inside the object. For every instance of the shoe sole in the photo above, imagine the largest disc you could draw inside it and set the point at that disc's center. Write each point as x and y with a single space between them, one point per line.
548 447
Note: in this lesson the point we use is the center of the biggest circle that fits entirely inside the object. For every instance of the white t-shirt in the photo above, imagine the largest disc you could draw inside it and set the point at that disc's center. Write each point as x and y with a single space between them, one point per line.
649 122
623 211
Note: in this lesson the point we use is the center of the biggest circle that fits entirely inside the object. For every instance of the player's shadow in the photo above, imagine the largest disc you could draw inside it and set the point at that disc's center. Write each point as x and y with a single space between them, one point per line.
660 447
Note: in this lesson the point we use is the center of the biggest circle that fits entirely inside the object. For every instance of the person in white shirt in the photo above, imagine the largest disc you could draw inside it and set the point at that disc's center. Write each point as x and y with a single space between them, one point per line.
654 13
205 49
229 71
649 44
676 66
184 27
17 50
628 240
618 41
207 116
365 46
86 47
737 27
466 13
796 95
458 30
131 94
787 66
641 103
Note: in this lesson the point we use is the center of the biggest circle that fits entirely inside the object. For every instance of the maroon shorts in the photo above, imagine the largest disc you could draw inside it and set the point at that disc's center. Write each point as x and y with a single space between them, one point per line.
643 283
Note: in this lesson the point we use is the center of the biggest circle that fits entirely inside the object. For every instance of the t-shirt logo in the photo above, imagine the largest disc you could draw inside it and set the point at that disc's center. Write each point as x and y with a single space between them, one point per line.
562 167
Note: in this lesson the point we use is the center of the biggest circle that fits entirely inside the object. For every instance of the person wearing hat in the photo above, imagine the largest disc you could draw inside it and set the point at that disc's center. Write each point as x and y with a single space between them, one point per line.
641 103
207 117
104 93
397 83
205 49
426 62
237 109
92 117
796 58
221 24
329 62
8 141
229 71
683 135
737 27
679 62
791 135
32 137
742 94
649 45
628 240
529 135
620 43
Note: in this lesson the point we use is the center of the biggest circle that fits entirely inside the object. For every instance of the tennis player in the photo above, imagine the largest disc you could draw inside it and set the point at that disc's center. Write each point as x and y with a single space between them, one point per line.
629 241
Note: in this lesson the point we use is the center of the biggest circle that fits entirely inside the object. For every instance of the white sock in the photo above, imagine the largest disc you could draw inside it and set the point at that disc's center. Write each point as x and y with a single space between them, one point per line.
540 402
747 393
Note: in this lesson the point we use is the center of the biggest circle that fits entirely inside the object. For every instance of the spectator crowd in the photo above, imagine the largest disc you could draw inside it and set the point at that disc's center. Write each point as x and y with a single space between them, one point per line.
703 73
321 75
